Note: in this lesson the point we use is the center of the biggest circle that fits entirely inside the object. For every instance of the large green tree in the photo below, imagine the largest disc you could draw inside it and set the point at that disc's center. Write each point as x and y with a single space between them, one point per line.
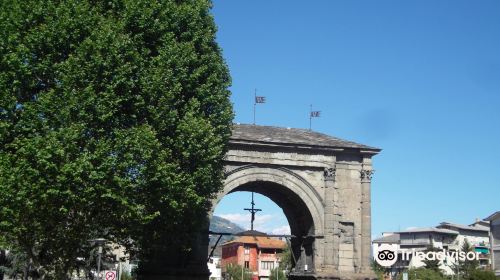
114 118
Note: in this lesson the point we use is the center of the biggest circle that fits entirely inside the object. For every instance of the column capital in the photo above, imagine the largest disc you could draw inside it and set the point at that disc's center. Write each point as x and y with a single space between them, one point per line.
329 173
366 174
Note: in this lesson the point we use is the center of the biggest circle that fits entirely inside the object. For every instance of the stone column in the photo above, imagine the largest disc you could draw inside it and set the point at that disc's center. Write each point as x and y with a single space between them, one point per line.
366 177
330 262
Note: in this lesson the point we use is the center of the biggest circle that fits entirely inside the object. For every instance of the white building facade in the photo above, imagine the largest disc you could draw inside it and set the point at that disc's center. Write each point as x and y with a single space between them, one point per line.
214 265
494 220
446 236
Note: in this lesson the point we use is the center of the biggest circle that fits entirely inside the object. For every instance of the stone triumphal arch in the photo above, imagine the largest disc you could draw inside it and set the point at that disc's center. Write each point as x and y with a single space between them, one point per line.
322 183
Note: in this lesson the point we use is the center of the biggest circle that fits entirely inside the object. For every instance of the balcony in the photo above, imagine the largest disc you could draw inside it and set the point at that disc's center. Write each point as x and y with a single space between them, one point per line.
484 256
416 242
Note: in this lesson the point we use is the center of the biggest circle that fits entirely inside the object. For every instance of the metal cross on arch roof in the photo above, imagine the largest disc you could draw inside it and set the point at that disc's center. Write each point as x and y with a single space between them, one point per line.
252 210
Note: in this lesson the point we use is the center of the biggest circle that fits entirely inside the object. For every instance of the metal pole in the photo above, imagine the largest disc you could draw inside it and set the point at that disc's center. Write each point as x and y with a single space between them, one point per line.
278 260
310 117
213 248
119 271
99 253
251 224
254 105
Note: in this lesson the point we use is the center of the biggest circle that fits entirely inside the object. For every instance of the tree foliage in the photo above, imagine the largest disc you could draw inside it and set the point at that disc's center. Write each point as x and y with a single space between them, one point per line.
432 264
286 259
237 272
379 270
114 117
277 274
479 274
431 274
466 267
423 274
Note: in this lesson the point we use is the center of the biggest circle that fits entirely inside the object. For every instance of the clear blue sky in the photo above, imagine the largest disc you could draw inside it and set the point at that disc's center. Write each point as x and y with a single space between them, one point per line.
419 79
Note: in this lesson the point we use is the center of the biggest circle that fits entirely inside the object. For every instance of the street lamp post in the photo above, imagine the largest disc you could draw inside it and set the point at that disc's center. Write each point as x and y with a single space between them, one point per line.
277 266
99 254
99 242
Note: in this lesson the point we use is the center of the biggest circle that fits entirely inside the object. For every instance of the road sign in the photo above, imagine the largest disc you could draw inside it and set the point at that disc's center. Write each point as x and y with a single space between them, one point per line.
405 275
110 275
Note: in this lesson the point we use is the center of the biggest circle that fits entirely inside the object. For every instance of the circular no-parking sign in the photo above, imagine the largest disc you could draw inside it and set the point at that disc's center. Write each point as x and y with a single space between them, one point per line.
110 275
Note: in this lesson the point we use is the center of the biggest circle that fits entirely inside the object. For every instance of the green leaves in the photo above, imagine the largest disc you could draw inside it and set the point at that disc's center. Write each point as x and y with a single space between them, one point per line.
114 118
237 272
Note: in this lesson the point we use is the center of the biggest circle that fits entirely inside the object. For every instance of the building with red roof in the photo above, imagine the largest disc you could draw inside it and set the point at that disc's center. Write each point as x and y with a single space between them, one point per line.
255 251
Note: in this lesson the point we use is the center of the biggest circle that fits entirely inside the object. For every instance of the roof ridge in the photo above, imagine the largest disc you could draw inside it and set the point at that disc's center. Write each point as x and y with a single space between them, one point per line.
296 136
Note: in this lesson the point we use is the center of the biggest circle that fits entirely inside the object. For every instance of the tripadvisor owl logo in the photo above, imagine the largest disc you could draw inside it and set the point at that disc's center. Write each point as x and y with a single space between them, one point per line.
386 255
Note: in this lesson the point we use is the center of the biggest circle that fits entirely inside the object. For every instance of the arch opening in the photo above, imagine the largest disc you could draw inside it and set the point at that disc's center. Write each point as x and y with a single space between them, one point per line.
295 210
297 213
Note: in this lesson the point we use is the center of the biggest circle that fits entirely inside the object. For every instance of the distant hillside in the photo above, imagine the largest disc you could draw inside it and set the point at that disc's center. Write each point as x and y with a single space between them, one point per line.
218 224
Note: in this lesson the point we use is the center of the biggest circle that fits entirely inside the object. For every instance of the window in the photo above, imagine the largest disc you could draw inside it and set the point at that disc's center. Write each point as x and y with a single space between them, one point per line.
266 265
267 251
247 264
247 250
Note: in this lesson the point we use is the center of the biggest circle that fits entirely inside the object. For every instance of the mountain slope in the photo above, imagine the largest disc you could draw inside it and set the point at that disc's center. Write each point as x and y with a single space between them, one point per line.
219 224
